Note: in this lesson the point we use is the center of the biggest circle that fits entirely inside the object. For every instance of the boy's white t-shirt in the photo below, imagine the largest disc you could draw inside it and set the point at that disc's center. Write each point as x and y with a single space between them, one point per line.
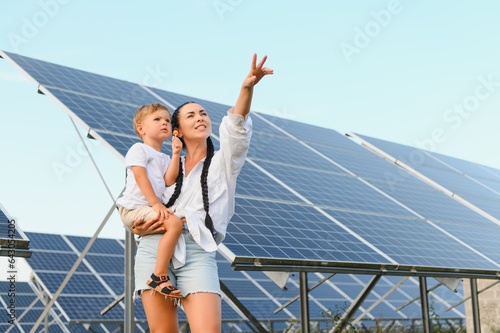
156 164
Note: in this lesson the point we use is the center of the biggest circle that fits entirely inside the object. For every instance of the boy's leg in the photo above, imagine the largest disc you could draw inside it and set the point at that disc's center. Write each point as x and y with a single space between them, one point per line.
166 248
129 216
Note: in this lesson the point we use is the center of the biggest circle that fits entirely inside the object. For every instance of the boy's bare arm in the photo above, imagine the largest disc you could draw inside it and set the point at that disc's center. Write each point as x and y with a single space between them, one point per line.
142 180
173 168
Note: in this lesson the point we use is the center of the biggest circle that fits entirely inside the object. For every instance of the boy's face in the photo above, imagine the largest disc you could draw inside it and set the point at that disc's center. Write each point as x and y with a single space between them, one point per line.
155 126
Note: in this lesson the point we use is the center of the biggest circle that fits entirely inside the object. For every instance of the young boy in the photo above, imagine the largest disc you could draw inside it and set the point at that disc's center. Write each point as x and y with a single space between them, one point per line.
148 172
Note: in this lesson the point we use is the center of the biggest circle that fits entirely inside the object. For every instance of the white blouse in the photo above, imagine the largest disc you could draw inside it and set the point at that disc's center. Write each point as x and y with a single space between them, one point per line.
235 132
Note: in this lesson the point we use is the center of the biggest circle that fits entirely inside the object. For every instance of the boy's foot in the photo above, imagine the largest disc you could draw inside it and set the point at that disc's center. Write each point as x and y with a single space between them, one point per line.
163 285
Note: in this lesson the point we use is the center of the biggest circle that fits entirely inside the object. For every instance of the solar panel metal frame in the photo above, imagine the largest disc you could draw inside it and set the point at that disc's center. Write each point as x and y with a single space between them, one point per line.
13 241
253 281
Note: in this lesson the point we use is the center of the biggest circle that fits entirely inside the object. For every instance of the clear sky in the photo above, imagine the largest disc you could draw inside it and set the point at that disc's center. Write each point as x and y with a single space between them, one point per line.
412 72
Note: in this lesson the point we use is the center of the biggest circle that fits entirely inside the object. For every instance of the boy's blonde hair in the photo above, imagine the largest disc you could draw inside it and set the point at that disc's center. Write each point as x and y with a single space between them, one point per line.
144 111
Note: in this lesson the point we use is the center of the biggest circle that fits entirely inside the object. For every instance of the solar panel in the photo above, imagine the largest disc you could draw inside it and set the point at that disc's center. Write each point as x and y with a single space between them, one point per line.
267 229
13 241
263 298
478 184
97 282
29 306
479 233
86 294
308 174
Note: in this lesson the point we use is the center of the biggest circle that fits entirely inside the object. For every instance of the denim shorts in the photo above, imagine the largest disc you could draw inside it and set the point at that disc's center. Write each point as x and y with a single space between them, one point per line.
199 274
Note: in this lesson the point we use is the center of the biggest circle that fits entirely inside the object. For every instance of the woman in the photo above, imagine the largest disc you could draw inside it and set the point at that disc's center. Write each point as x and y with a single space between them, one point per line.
204 200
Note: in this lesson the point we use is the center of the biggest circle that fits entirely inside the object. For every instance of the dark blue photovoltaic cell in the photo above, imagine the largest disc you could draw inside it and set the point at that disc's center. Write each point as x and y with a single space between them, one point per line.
290 152
101 246
110 264
484 197
79 284
82 82
491 173
434 160
121 143
84 307
48 242
24 295
28 308
310 134
474 170
424 244
282 231
365 164
490 186
466 187
116 281
254 183
333 190
100 114
409 155
54 261
431 204
85 295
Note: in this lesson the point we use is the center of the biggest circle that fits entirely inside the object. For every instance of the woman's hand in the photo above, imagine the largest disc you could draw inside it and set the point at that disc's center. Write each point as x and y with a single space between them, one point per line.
257 72
152 226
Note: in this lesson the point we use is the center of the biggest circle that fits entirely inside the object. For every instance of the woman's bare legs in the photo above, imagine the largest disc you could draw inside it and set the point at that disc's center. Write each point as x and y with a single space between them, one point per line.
161 312
203 312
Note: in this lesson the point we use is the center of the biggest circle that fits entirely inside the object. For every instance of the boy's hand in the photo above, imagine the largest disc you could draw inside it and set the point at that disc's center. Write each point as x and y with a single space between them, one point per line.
161 211
176 145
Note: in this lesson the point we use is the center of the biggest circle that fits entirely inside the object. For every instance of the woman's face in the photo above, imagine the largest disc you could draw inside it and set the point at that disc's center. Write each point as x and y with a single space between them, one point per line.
194 123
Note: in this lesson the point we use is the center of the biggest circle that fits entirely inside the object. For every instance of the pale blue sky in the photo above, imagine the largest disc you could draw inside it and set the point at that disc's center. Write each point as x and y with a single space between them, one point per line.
405 71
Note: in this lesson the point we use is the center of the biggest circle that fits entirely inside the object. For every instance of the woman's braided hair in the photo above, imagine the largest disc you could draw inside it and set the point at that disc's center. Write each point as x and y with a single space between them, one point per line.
204 174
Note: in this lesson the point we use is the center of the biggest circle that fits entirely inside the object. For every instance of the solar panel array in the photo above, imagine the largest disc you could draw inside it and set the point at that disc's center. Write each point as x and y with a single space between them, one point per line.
306 195
99 280
478 184
408 222
13 242
307 199
29 305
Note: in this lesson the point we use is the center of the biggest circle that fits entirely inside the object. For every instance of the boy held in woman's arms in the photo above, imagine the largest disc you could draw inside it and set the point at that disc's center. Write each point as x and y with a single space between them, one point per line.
149 171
